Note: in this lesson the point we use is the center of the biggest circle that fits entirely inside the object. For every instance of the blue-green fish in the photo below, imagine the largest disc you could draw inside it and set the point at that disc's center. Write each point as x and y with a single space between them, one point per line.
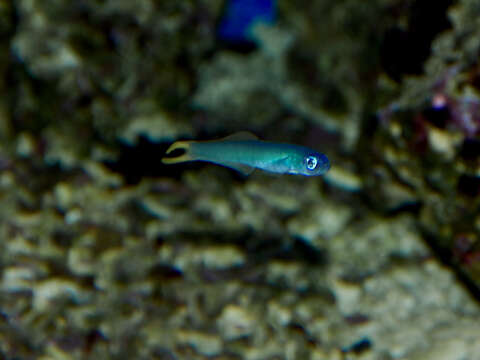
244 152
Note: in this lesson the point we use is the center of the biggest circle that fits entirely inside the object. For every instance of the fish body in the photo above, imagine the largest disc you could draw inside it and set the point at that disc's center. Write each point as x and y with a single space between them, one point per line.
244 152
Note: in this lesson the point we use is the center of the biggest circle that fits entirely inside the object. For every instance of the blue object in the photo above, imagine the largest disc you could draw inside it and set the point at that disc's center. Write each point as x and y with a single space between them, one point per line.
240 17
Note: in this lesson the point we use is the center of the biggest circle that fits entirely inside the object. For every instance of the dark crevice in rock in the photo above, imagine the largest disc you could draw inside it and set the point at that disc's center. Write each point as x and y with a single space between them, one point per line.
404 50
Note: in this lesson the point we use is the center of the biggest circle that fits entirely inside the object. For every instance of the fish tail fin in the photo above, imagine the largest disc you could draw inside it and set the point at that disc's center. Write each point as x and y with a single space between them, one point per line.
178 145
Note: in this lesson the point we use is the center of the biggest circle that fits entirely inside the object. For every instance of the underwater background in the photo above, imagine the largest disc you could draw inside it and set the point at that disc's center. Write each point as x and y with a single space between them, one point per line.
106 253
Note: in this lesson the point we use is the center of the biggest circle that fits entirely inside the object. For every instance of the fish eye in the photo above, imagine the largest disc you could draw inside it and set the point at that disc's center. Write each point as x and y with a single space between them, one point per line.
311 162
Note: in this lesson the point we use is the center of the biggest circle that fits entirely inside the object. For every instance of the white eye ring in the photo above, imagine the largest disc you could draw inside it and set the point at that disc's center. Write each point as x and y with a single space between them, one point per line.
311 162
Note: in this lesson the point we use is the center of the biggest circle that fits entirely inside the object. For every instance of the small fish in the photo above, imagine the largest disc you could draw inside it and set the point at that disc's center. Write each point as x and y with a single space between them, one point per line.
244 152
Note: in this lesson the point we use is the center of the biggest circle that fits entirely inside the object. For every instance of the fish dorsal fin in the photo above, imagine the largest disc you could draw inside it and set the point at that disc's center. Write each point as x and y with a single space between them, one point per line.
240 136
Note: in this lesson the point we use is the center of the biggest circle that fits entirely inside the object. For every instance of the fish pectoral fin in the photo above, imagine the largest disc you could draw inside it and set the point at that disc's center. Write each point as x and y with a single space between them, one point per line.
178 145
241 168
279 165
240 136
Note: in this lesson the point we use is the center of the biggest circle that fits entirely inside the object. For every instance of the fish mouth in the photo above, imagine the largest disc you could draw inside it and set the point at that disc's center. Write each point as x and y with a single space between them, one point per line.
326 164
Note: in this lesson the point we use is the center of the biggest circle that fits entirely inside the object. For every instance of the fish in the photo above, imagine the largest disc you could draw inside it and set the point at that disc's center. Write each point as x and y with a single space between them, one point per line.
244 152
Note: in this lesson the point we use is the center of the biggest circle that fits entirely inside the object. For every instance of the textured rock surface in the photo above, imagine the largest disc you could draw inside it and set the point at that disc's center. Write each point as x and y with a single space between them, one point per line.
107 253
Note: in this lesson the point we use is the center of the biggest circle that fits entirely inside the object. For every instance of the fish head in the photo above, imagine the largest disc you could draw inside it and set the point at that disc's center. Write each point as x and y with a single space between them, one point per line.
313 164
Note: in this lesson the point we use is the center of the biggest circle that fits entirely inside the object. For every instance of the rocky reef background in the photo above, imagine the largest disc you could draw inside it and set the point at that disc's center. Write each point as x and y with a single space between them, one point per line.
107 253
